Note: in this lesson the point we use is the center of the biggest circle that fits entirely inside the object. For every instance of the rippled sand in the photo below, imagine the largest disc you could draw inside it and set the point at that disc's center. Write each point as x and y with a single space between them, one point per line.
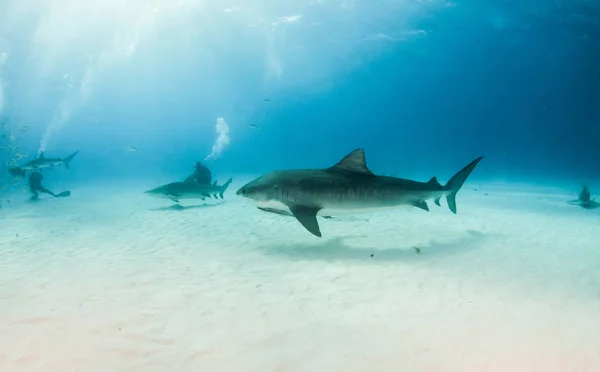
116 282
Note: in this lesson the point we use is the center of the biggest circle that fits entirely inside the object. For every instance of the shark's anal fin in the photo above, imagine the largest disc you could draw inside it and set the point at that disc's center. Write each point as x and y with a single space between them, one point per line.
353 162
307 216
422 205
437 201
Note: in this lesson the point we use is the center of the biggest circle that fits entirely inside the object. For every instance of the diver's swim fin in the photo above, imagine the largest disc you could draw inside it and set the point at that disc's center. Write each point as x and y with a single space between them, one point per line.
63 194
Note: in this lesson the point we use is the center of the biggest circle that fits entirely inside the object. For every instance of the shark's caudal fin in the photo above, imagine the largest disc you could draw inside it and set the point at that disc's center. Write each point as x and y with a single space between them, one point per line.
224 187
456 183
68 159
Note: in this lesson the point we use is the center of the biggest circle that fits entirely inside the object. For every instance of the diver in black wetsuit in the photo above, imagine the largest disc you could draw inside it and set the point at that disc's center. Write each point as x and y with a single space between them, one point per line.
201 174
35 186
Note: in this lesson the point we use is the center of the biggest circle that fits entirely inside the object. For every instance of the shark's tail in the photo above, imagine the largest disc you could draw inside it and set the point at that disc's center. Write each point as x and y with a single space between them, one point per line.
225 186
456 183
68 159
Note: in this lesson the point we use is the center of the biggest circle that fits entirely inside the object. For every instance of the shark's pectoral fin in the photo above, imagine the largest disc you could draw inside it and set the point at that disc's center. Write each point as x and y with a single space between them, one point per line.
174 199
574 202
273 210
437 201
422 205
307 216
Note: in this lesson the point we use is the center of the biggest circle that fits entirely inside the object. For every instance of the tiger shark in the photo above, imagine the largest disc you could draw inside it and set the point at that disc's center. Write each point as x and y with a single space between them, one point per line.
348 187
41 162
585 199
189 189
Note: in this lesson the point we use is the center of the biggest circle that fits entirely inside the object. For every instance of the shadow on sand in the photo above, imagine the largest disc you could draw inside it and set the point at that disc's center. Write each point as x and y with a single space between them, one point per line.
336 249
179 207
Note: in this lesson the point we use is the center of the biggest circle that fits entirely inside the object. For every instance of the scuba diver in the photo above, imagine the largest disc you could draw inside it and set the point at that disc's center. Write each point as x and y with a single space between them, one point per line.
35 186
201 174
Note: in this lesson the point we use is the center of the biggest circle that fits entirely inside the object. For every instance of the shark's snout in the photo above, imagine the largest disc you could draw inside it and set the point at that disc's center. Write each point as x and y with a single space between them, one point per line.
241 192
152 192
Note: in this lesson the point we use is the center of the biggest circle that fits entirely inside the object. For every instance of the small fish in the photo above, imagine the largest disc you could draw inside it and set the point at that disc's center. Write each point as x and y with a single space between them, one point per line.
254 126
417 249
267 100
8 201
133 149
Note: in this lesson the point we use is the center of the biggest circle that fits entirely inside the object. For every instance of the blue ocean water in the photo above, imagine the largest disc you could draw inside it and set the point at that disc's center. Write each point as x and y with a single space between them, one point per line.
422 86
144 89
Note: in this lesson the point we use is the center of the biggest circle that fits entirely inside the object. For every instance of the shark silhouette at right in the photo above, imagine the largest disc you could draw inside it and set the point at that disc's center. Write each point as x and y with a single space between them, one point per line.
585 200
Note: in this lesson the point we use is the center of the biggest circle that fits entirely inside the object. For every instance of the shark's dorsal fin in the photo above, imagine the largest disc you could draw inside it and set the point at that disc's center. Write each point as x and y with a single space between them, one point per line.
434 182
41 155
190 179
353 162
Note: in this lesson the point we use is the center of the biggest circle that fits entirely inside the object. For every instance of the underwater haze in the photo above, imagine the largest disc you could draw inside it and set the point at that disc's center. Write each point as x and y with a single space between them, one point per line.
121 273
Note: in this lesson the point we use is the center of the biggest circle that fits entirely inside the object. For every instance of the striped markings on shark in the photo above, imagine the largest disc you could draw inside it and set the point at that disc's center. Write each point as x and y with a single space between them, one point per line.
348 187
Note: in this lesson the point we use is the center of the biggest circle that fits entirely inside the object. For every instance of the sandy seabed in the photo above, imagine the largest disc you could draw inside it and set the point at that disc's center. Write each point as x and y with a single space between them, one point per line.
117 281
